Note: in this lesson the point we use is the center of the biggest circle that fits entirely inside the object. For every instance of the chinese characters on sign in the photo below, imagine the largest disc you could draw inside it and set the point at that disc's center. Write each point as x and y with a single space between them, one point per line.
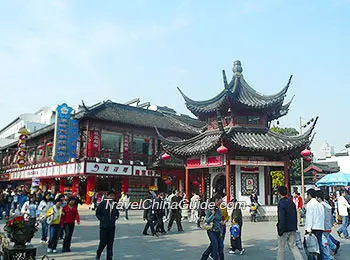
143 171
73 138
61 143
22 147
126 147
107 168
204 161
94 143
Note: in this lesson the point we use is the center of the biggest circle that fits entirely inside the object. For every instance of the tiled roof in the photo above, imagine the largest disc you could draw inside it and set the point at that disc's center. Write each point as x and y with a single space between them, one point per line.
135 116
326 167
239 93
264 141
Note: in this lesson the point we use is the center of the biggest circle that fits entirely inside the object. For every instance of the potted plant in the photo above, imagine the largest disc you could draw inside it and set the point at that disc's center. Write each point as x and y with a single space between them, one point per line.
19 230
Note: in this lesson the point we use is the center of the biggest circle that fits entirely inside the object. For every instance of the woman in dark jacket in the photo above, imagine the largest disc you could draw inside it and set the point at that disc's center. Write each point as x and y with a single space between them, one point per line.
213 215
238 218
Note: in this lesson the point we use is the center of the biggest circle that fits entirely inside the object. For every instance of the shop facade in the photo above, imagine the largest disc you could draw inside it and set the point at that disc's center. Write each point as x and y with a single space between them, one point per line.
112 153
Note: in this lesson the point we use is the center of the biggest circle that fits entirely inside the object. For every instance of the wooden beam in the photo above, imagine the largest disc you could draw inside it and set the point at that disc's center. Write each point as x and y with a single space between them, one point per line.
186 183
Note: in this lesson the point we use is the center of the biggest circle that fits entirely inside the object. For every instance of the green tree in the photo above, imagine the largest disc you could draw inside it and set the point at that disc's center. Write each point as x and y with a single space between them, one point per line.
277 178
295 164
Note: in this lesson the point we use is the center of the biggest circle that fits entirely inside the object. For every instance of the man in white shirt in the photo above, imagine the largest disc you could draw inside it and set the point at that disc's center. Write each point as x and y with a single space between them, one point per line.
343 206
314 219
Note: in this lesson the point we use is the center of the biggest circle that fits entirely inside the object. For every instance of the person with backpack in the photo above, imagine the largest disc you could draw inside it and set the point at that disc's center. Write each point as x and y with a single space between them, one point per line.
70 214
53 216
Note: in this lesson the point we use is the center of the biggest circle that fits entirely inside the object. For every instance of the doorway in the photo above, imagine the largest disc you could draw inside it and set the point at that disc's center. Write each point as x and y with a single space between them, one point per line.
219 185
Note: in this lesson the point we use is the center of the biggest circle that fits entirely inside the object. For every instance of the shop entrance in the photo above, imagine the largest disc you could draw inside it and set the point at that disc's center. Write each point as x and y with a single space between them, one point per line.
219 184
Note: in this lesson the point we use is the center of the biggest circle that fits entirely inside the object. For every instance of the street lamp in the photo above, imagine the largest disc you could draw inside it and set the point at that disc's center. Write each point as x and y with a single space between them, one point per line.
302 159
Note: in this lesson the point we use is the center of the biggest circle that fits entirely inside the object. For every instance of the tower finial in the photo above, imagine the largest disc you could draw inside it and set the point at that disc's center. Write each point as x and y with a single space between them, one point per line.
237 69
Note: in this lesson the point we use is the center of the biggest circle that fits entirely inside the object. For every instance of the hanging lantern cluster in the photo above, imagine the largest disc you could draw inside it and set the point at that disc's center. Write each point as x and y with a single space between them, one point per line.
306 154
22 147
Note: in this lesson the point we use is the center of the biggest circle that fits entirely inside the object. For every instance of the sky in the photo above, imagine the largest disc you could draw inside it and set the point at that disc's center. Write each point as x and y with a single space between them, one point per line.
55 51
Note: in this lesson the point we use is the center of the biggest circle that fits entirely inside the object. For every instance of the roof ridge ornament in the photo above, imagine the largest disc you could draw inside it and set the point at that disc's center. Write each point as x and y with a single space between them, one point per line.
225 79
237 69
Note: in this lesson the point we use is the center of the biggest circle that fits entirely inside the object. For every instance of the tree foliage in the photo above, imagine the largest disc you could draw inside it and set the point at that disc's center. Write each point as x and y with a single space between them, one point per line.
277 178
295 164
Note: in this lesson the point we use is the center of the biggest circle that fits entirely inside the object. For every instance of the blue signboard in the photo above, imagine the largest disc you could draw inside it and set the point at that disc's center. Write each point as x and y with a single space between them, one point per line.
73 138
61 142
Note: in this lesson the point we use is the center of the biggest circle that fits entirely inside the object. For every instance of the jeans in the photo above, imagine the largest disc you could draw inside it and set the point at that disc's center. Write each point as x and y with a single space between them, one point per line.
344 226
332 242
2 206
215 248
7 209
68 233
106 239
44 230
54 232
326 247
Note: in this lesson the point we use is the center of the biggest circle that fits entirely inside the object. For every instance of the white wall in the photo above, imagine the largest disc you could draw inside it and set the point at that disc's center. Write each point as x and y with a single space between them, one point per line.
343 162
246 199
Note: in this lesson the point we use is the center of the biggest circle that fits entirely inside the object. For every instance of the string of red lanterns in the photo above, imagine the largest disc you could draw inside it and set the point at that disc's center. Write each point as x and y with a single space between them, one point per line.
306 154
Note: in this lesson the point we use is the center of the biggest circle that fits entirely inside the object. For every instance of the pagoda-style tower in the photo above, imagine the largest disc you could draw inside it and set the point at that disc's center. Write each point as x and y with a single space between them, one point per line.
238 118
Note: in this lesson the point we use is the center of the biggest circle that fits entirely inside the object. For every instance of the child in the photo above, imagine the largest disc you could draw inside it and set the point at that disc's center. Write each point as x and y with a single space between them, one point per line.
253 212
236 242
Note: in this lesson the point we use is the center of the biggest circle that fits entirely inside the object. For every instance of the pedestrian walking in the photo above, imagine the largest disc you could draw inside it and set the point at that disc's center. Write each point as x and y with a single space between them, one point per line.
160 213
194 206
44 205
286 225
126 203
343 207
150 216
175 209
299 206
107 213
314 221
53 216
213 220
30 212
70 214
237 218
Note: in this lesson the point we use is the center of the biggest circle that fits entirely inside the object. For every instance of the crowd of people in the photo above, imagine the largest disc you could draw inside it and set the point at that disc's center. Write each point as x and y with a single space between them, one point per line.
320 213
56 213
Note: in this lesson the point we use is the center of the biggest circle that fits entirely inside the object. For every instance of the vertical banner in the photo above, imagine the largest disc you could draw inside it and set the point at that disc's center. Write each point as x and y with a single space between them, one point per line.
61 145
94 144
126 142
22 147
73 138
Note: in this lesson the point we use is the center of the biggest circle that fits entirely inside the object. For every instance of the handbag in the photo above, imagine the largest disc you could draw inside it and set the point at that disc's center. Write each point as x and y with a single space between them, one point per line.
207 226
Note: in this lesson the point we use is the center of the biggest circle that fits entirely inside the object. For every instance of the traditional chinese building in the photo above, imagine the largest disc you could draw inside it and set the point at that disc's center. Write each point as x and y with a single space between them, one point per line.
118 149
237 150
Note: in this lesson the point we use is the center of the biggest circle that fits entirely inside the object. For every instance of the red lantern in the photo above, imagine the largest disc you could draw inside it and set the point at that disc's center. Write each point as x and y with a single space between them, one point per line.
49 144
147 140
167 182
166 157
21 153
195 183
40 147
308 159
222 149
306 153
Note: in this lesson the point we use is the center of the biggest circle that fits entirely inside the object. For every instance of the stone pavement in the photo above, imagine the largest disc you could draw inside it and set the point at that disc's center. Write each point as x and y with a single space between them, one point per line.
259 239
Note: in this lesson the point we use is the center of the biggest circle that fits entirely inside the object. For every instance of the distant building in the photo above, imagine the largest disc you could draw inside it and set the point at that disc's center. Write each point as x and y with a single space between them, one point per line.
327 150
342 158
33 122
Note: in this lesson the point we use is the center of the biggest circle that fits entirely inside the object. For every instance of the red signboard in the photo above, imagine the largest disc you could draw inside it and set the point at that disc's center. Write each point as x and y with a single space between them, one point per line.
94 144
214 161
192 163
4 176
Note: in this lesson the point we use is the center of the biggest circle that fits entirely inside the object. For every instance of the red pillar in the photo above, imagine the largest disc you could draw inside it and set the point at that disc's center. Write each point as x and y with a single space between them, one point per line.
75 184
62 180
186 190
228 181
90 186
203 183
286 175
125 184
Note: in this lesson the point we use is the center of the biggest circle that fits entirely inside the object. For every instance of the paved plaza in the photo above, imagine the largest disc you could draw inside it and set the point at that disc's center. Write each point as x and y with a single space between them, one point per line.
259 239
